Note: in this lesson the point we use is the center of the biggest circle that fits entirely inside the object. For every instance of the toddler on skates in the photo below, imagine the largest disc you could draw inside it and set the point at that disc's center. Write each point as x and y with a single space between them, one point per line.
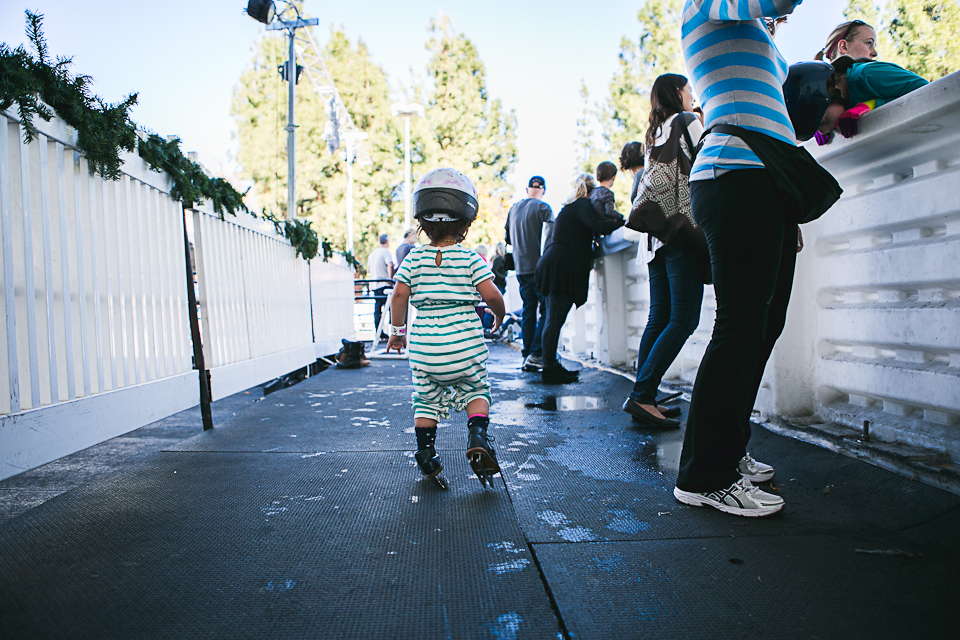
444 281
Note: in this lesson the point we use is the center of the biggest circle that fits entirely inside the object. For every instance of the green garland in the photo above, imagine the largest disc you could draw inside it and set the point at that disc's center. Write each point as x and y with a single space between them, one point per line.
41 89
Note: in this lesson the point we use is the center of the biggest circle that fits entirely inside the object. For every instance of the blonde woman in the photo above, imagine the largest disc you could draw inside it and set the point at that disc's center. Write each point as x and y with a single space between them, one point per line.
563 272
856 39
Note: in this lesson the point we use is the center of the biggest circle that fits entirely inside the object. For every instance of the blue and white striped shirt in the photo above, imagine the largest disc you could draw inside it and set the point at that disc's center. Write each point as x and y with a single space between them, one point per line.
738 73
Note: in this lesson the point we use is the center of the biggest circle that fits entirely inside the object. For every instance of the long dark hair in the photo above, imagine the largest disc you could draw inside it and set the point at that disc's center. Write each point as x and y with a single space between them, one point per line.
665 101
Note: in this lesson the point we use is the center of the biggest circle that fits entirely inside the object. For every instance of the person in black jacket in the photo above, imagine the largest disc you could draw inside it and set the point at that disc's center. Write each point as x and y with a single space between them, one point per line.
563 272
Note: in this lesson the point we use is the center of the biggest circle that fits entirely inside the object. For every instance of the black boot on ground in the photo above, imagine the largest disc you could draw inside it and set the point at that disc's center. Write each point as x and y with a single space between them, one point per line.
429 462
480 453
556 374
351 355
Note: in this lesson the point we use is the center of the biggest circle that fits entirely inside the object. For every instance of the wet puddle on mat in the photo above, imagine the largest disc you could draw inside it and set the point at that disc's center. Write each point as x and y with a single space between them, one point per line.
560 403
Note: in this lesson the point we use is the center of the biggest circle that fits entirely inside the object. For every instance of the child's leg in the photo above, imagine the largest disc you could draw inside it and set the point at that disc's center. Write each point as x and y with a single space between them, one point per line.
426 431
478 407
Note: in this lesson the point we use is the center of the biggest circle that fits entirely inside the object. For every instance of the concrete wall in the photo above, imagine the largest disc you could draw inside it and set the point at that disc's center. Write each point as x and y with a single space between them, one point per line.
873 330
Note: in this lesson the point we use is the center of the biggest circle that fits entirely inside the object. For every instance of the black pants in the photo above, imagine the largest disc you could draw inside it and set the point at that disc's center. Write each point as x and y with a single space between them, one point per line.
381 300
751 231
558 306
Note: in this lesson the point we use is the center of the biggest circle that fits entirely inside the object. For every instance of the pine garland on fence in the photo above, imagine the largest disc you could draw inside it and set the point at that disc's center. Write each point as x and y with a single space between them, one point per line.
41 89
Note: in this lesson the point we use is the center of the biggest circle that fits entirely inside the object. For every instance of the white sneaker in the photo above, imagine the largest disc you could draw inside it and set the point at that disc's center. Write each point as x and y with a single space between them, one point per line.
740 499
754 471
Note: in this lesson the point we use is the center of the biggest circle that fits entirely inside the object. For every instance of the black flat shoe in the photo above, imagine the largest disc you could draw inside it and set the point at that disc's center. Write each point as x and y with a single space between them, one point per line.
646 418
556 374
670 412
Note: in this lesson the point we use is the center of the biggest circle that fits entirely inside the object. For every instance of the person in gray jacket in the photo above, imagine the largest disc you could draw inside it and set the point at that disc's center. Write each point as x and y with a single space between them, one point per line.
524 231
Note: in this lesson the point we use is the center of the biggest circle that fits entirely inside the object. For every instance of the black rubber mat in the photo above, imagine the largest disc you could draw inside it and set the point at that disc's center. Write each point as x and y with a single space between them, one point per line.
261 546
365 409
785 587
303 516
579 481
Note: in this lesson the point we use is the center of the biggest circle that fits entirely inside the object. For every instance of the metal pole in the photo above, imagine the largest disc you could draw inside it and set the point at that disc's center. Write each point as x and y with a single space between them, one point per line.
407 222
291 136
350 153
206 415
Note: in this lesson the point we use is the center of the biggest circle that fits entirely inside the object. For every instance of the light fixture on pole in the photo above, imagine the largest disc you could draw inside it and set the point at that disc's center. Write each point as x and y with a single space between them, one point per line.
351 138
407 110
265 12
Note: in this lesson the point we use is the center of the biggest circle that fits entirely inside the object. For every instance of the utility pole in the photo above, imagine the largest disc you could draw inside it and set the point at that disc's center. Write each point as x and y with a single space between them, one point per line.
407 110
351 138
291 75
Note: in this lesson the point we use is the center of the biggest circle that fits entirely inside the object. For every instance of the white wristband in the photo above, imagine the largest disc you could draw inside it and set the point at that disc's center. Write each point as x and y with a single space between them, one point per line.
398 331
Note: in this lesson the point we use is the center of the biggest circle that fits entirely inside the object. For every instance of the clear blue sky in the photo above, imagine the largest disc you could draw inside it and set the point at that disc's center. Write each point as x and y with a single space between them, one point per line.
184 58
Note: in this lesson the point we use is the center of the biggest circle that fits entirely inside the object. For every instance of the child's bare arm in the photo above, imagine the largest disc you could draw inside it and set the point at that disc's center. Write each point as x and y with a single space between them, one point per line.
491 296
398 314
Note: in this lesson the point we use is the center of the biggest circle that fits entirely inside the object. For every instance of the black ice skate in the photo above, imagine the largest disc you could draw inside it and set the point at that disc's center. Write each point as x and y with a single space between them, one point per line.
482 457
431 465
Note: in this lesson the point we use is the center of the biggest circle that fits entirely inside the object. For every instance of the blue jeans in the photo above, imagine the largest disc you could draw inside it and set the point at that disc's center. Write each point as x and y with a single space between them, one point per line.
531 329
676 293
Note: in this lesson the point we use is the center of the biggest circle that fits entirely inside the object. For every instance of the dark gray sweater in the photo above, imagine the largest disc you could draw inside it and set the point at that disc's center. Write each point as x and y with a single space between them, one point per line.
525 231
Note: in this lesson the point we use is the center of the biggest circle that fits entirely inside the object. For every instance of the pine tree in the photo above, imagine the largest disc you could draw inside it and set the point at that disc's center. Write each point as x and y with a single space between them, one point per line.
588 154
627 108
466 129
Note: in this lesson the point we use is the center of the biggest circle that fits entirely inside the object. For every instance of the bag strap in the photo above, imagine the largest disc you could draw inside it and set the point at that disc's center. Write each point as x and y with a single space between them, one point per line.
694 149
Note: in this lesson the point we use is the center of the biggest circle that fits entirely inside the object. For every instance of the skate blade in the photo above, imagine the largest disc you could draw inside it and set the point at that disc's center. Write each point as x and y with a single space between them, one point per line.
440 480
483 458
484 474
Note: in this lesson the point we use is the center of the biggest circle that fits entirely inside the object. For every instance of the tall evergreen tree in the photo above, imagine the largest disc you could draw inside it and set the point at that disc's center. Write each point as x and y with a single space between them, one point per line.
625 113
926 35
466 129
588 153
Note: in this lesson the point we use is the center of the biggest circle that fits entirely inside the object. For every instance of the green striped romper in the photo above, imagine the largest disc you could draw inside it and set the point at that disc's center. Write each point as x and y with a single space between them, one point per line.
448 358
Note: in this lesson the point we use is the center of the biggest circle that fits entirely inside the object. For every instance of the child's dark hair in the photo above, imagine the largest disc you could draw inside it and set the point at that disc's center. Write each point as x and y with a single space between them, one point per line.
446 231
605 171
631 156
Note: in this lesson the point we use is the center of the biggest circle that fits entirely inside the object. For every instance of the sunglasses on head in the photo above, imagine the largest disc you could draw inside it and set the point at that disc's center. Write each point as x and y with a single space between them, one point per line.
855 23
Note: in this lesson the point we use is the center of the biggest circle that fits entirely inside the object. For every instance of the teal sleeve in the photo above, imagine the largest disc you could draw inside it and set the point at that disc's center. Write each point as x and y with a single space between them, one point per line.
481 271
405 273
881 80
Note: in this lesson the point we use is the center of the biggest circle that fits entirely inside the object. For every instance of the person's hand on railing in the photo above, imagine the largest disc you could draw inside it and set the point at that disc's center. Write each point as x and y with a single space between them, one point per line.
823 138
848 120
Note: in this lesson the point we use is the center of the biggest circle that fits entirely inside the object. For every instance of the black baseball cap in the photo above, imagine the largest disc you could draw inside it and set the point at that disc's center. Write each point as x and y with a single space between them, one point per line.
537 182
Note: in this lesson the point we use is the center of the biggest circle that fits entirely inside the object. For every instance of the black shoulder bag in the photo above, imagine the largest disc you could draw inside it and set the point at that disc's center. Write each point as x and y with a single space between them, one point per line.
792 168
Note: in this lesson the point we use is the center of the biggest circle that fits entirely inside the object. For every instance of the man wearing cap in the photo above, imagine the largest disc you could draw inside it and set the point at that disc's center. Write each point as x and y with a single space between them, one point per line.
380 266
525 233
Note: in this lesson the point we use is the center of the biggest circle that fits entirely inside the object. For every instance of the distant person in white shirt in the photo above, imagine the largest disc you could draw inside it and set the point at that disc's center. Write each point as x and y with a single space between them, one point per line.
380 266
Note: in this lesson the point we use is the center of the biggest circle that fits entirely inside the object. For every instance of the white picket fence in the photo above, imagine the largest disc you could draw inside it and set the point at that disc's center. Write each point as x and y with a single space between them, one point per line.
98 339
873 329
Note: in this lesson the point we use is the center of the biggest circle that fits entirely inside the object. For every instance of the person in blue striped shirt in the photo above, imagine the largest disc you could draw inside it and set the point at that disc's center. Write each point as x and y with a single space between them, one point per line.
444 281
752 234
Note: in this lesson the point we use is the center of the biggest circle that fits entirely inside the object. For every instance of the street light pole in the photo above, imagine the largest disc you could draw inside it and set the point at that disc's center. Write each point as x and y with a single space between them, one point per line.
352 138
291 132
406 172
291 26
407 110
